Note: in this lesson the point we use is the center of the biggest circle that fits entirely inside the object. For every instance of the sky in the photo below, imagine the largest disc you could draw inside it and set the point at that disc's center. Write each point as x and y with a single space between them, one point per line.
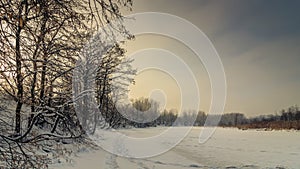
257 41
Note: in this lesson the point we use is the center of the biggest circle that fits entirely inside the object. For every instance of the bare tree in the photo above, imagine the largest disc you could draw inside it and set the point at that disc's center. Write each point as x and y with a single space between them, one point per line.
41 41
102 76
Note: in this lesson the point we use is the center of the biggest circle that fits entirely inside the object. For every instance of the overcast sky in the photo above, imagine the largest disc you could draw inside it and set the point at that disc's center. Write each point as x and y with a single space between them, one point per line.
258 42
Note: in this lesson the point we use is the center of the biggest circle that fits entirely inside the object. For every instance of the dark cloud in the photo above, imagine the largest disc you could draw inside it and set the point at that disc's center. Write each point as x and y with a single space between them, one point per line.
258 41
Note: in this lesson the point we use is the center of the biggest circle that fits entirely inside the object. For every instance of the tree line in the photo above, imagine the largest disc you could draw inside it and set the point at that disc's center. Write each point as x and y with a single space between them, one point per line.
42 42
286 119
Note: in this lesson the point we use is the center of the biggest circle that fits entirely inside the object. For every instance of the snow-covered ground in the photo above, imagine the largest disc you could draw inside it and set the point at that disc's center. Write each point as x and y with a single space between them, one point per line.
227 148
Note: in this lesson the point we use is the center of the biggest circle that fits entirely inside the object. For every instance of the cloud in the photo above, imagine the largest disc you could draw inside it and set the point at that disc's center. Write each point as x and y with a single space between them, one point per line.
258 42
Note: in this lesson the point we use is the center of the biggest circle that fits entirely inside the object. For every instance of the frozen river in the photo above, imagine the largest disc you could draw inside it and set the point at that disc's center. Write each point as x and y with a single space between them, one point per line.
227 148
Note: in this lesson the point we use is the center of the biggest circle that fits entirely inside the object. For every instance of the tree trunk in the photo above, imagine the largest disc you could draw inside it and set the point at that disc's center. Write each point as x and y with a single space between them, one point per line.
35 69
19 75
43 79
56 123
32 92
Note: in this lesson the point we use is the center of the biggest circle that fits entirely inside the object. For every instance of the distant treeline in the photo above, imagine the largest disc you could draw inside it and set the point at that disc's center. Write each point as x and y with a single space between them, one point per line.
286 119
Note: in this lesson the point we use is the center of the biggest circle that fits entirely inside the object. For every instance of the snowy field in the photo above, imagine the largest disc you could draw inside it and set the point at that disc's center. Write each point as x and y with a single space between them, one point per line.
227 148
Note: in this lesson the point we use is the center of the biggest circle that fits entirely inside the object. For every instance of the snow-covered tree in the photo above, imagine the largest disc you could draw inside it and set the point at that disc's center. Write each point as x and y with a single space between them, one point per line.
40 43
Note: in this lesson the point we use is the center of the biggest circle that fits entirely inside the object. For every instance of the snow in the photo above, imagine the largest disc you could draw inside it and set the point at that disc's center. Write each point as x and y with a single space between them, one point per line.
227 148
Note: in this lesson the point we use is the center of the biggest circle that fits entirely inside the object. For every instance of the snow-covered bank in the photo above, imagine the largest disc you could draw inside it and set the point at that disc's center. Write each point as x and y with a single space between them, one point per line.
228 147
